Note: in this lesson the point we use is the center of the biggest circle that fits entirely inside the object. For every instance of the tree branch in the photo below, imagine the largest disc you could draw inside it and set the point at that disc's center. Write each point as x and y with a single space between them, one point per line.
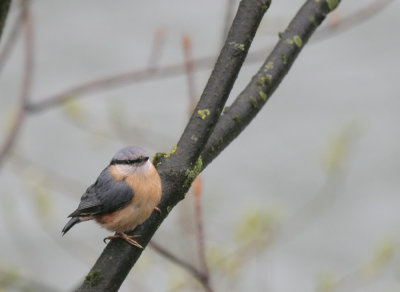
201 277
269 76
156 48
178 169
188 60
201 250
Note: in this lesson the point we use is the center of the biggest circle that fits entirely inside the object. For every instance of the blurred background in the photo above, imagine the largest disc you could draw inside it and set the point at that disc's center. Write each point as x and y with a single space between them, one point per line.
306 199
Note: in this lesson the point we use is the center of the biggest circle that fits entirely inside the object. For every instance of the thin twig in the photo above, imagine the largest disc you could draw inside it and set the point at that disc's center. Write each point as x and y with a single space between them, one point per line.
188 59
156 48
26 83
200 276
197 186
109 82
187 49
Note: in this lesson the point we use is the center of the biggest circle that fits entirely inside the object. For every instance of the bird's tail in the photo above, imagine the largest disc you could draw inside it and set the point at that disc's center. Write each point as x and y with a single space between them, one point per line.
70 223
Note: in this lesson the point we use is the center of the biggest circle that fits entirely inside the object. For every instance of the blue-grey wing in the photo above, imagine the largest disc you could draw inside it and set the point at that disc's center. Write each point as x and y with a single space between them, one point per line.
104 196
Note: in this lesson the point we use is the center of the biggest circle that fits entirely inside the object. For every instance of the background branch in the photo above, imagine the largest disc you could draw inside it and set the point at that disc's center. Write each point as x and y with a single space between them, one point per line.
200 276
187 54
197 187
156 49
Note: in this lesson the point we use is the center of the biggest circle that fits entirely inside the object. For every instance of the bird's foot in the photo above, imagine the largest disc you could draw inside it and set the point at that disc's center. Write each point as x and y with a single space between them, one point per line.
158 210
128 238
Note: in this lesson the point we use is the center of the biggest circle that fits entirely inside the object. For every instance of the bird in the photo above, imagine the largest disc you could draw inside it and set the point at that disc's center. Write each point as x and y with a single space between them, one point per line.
124 195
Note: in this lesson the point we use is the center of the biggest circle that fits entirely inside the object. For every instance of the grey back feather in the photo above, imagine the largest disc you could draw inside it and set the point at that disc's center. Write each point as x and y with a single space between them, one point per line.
106 195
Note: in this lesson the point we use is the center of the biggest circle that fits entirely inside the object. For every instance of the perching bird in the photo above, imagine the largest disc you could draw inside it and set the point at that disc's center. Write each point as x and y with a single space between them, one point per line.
123 196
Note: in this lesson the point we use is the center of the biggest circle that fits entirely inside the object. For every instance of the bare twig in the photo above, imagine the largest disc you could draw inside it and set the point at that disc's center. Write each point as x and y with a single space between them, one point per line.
198 182
106 83
156 49
200 276
26 83
197 186
203 275
188 59
111 81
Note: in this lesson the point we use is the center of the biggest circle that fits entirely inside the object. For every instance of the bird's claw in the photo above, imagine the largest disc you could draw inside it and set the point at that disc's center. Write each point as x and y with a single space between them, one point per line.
110 237
128 238
158 210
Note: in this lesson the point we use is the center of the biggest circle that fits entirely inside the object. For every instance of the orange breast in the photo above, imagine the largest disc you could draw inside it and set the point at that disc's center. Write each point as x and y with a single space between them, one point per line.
147 190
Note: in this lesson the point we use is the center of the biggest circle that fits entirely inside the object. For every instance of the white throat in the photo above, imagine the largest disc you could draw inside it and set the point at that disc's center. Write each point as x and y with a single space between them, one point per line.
126 169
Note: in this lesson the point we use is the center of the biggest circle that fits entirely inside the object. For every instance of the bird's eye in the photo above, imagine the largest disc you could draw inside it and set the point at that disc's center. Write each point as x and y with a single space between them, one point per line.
130 161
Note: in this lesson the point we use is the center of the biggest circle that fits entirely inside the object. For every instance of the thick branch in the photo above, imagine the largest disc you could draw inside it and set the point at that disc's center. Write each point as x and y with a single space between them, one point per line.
178 169
269 76
220 83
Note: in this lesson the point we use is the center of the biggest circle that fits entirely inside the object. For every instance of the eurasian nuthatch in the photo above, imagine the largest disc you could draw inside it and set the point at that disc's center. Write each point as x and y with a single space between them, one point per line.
123 196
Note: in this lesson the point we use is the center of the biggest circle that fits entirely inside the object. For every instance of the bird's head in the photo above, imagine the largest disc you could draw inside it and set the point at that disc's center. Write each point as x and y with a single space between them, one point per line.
131 159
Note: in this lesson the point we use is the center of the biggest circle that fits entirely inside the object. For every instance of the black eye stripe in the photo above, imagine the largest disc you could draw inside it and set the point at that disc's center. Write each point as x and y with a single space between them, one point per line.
129 161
